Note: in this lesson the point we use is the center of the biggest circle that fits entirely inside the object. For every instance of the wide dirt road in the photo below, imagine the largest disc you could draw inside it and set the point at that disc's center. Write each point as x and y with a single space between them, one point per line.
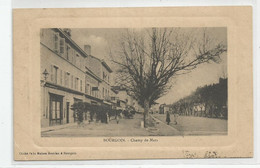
126 127
190 125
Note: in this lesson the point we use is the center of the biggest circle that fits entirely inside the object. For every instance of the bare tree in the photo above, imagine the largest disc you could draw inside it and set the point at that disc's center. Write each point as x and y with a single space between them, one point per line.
147 61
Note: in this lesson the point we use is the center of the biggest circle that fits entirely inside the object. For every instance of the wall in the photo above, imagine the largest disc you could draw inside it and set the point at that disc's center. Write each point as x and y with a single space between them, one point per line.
92 82
94 65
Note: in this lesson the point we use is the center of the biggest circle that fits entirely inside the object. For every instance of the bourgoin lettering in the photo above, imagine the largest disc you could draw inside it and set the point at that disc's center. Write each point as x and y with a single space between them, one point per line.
114 140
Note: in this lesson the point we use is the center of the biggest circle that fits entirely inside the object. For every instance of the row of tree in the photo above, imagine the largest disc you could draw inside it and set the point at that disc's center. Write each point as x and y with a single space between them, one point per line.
207 101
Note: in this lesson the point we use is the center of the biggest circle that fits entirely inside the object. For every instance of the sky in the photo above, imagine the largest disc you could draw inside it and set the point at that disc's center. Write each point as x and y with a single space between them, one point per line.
103 40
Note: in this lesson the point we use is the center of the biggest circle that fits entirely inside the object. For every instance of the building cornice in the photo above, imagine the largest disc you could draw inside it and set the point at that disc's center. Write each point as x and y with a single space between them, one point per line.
94 98
106 66
63 88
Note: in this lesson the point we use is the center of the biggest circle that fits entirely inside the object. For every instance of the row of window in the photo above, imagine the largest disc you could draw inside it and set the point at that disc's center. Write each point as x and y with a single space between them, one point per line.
106 77
105 93
63 78
62 47
66 51
66 79
92 90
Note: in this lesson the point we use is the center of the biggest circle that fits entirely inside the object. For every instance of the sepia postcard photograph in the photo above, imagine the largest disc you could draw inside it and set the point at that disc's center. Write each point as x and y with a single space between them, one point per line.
133 83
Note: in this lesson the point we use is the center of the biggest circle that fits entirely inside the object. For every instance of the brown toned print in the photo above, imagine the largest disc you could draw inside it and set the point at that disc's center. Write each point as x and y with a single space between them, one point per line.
133 83
101 89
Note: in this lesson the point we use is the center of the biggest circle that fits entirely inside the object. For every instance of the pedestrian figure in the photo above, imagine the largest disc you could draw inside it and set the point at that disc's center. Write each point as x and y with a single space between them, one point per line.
175 118
168 119
117 119
107 117
117 116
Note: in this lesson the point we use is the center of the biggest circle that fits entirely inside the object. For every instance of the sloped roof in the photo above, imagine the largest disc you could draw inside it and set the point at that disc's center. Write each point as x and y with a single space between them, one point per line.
84 54
88 71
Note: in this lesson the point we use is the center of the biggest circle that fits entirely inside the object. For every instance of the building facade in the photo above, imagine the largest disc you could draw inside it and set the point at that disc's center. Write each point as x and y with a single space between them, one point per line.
124 100
163 109
69 74
103 72
92 88
63 60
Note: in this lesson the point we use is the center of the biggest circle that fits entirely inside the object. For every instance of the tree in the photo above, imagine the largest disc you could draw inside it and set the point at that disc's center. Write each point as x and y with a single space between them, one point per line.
79 109
147 61
212 98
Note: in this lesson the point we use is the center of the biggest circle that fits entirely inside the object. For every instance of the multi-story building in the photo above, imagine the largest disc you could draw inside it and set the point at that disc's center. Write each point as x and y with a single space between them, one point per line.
92 88
68 75
124 100
114 98
103 72
63 60
163 108
154 108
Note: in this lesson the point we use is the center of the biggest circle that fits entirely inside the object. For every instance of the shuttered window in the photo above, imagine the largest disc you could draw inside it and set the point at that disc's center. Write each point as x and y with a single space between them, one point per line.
71 81
55 75
65 79
68 52
56 42
73 57
81 85
76 83
52 70
77 59
87 89
61 74
62 46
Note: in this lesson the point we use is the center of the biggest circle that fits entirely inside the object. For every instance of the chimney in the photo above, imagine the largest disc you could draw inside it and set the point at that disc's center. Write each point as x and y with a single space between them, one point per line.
87 49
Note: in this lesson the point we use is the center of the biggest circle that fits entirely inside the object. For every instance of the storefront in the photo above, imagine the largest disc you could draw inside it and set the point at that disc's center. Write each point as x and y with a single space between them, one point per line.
56 109
57 104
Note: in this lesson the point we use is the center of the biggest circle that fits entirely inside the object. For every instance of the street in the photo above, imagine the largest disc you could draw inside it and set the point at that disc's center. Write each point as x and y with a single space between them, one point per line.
190 125
187 125
125 127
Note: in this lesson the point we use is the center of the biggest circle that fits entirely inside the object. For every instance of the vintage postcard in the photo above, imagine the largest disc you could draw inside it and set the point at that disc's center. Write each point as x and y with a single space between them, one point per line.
133 83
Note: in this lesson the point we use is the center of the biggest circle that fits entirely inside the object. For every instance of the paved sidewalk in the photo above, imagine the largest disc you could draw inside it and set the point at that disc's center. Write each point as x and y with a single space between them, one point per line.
57 127
125 127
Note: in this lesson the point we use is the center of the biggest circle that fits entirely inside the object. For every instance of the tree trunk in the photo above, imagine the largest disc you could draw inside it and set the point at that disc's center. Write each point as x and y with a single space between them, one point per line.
146 112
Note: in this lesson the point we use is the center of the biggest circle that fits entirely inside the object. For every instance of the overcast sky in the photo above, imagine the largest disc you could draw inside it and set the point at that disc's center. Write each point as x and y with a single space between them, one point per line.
101 40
